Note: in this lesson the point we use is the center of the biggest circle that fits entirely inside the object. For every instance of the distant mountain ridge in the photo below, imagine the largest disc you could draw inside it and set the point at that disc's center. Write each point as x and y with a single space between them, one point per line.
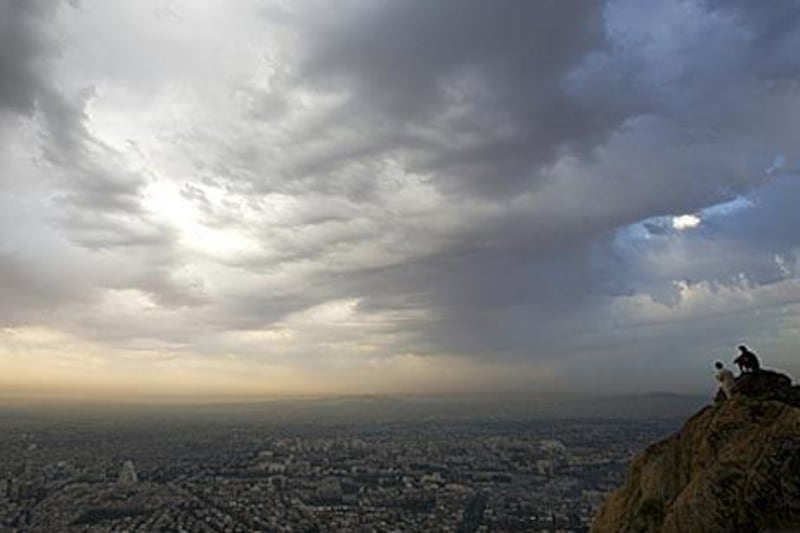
387 409
733 467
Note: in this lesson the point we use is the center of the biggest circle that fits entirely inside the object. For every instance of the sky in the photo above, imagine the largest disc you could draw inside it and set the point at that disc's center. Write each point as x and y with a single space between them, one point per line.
210 199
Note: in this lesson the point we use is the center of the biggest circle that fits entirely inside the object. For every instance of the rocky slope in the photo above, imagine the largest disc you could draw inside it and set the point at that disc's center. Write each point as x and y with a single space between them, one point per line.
734 466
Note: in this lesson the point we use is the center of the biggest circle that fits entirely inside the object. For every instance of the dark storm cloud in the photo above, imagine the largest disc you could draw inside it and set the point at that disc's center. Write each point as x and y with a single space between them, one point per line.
24 48
472 96
545 127
774 24
492 302
472 90
593 109
28 49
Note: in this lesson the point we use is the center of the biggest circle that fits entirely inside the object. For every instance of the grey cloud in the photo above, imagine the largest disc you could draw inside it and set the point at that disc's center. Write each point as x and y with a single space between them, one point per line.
33 289
475 88
660 127
65 135
539 130
92 195
565 135
24 50
755 244
98 231
29 49
770 224
248 311
170 292
774 28
400 54
420 76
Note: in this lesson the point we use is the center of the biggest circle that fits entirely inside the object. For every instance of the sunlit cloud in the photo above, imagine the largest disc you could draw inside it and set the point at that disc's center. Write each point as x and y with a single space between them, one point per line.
684 222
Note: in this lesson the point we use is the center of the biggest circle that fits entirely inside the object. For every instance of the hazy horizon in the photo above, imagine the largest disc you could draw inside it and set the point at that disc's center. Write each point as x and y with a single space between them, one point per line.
182 400
209 200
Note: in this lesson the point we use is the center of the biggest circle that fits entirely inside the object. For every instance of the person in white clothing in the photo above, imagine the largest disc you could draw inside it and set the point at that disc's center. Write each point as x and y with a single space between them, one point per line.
725 378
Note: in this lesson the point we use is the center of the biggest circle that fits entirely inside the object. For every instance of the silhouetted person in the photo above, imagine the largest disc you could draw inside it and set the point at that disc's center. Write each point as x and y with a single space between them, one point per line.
747 361
725 378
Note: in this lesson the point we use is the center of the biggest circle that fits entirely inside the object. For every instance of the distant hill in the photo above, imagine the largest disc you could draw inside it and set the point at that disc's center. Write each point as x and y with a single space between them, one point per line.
386 409
733 467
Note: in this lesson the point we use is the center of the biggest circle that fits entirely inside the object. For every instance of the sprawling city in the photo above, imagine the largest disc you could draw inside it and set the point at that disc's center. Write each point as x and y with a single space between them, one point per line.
225 471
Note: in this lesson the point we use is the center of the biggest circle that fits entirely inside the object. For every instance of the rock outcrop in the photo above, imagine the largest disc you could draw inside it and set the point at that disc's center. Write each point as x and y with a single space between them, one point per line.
734 466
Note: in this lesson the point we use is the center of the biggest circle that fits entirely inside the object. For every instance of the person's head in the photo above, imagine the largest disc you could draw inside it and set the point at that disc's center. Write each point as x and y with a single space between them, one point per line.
718 364
742 348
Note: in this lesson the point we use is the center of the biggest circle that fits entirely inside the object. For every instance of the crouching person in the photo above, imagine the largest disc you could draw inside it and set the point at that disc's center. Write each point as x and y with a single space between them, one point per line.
725 378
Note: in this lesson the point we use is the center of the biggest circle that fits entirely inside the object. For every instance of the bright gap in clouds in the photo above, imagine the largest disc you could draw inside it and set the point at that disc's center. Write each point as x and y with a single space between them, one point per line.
684 222
166 202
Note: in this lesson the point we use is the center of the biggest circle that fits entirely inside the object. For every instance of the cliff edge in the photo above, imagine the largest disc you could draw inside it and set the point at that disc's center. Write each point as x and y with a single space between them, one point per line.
734 466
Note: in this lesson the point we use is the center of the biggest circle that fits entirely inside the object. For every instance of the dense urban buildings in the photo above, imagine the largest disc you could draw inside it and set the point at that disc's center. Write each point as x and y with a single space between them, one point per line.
191 473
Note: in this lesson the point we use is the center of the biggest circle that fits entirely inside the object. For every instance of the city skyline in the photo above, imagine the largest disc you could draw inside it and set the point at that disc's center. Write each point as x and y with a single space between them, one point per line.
207 200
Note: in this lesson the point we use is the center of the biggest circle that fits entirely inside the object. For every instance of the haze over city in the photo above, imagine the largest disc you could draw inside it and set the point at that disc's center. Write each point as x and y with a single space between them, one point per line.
205 200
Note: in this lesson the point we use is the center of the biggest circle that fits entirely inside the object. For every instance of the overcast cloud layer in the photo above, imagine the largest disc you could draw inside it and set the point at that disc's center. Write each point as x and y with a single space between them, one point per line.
241 198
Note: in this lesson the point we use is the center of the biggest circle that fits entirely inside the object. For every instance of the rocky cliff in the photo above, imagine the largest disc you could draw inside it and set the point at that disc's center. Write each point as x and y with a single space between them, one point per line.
734 466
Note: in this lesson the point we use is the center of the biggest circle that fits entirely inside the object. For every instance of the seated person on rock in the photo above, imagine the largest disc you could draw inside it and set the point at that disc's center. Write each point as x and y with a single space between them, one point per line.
747 361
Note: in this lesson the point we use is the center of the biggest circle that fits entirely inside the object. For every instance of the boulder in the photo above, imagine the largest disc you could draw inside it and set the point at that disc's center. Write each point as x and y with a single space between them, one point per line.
767 385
